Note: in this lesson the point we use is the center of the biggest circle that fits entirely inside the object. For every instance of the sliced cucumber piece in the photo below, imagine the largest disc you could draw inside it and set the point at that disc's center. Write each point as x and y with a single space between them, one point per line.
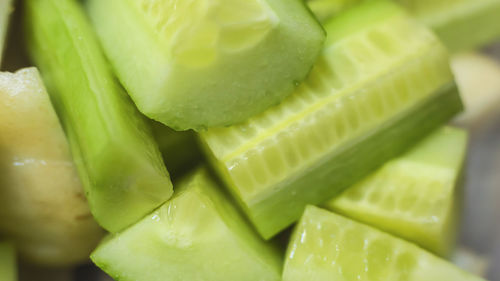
8 264
415 195
179 149
382 83
42 205
197 235
326 246
325 9
193 64
461 24
118 161
5 10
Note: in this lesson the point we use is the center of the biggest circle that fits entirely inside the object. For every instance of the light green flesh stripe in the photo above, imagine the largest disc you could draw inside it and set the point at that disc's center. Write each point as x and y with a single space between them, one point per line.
209 63
197 235
326 247
415 195
179 149
371 96
5 10
8 264
118 161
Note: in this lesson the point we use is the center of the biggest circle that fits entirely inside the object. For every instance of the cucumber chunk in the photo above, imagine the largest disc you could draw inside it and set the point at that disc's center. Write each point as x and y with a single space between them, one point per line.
383 82
194 64
196 235
8 264
460 24
326 246
118 161
42 205
5 10
415 195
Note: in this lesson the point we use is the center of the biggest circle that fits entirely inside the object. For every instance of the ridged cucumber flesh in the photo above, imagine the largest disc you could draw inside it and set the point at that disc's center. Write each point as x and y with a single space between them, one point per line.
5 10
43 209
194 64
460 24
117 158
415 196
197 235
383 82
8 264
326 246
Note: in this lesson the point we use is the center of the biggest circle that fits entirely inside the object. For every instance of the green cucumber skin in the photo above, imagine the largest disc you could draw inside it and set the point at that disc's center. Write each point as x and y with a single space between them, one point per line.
177 237
118 161
338 172
181 98
8 264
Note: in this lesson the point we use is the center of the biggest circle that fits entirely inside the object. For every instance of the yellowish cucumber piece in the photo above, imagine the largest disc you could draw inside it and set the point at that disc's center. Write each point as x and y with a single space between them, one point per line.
42 204
325 9
326 247
180 150
461 24
8 264
193 64
117 158
197 235
414 196
382 83
5 10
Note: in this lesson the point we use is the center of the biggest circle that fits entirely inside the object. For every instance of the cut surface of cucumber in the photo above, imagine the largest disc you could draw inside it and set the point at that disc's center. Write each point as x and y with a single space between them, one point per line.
197 235
460 24
42 204
326 247
5 10
382 83
117 158
8 264
194 64
325 9
414 196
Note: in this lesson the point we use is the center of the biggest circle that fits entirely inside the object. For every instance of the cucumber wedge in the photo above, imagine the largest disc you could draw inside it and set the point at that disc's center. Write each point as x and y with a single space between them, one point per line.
8 264
5 10
193 64
461 24
180 150
415 195
326 247
42 206
197 235
118 161
383 82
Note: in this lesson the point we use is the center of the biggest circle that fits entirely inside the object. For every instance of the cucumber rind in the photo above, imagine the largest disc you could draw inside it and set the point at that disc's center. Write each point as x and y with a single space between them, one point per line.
8 264
122 184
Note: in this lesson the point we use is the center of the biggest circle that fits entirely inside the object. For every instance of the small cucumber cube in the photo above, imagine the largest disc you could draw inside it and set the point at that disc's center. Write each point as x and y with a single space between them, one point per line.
8 264
197 235
382 83
326 247
42 204
117 158
414 196
193 64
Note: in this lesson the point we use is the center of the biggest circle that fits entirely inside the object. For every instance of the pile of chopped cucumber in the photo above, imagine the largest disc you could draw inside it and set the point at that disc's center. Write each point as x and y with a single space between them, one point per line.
242 140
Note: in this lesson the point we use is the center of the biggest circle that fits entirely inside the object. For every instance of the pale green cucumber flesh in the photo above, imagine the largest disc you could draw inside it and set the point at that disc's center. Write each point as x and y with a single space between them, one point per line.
341 170
8 264
415 195
326 246
356 104
233 83
197 235
118 161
